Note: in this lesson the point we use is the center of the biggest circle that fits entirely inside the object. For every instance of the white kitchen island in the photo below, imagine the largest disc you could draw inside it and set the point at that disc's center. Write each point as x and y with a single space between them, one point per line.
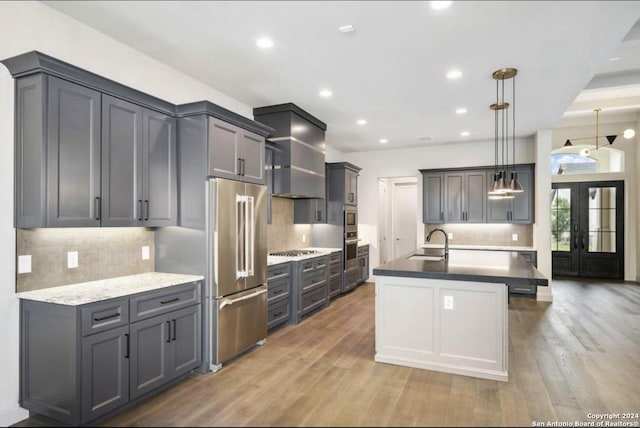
448 315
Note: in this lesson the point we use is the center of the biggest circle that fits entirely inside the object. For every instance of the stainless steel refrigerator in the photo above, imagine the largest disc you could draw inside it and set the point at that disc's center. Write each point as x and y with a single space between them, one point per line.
237 253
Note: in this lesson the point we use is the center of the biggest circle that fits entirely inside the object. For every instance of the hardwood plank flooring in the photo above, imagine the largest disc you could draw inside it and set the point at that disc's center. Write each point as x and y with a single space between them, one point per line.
577 355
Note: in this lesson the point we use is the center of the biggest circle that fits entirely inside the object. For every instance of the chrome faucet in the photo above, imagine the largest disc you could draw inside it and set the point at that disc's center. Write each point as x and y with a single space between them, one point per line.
446 241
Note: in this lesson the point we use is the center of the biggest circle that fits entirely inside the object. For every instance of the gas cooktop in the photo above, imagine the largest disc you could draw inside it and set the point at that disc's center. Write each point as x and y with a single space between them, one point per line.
293 253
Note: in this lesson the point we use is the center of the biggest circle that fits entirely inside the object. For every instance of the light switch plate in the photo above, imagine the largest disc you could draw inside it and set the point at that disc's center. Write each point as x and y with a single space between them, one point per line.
145 252
448 302
514 237
72 259
24 264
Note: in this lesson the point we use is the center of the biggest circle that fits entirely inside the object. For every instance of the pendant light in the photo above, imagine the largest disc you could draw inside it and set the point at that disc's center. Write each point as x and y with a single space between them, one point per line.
504 185
628 133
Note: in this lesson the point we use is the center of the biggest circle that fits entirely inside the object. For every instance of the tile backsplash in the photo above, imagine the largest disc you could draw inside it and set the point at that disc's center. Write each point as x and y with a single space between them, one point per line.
282 234
483 234
102 253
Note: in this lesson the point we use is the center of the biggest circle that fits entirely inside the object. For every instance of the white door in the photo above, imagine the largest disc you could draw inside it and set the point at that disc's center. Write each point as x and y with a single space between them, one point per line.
404 216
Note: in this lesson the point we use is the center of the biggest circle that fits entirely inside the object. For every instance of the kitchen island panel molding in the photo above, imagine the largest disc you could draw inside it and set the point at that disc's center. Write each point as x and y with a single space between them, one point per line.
414 329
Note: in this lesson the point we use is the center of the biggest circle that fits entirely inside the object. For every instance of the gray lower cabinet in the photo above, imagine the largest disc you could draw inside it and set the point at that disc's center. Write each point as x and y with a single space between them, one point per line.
336 272
351 278
310 288
79 363
278 294
532 257
363 263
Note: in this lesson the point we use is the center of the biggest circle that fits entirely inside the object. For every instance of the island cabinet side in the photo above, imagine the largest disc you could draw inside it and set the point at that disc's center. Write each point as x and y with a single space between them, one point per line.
458 327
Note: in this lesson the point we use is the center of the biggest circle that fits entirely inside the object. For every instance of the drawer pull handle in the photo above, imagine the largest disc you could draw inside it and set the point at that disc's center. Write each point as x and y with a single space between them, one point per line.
164 302
277 292
174 330
168 331
116 315
127 336
278 314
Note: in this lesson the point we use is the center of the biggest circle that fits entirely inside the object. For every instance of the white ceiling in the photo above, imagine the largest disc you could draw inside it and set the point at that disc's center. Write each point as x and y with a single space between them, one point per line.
391 70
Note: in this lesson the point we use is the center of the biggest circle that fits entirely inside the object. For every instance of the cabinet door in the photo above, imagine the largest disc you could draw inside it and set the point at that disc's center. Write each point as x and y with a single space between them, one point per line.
121 163
159 177
73 159
251 155
105 372
223 155
475 195
497 209
150 367
351 188
522 210
185 340
454 197
309 211
433 198
268 173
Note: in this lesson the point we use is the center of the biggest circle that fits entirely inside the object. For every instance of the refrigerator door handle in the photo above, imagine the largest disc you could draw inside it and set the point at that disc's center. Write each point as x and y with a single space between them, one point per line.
229 302
241 236
250 236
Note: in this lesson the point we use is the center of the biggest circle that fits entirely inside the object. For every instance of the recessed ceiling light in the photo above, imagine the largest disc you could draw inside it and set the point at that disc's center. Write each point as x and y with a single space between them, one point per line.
325 93
464 133
361 122
383 141
629 133
615 58
346 28
426 138
264 43
454 74
461 110
439 5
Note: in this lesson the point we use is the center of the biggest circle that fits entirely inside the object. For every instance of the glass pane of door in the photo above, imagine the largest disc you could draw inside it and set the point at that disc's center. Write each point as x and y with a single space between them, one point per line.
602 219
561 220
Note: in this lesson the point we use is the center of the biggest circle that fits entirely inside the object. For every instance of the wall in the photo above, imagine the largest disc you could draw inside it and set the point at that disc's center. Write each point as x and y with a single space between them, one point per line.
26 26
102 253
483 234
407 162
282 234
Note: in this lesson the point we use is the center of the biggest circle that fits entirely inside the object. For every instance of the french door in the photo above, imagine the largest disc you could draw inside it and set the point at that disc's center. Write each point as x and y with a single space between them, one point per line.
587 229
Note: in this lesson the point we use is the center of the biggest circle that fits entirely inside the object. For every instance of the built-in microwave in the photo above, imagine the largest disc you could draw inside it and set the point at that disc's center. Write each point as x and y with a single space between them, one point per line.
350 217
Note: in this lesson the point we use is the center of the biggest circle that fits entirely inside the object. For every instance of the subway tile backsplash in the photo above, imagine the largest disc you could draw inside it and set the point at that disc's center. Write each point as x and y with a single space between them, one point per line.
483 234
102 253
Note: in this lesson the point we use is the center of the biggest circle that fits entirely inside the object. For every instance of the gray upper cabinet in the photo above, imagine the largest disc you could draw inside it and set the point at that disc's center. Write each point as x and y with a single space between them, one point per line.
235 153
73 155
309 211
351 187
139 178
342 190
520 208
465 196
433 198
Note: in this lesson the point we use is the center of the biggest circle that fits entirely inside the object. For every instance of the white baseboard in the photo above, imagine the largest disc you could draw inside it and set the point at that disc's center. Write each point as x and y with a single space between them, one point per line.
12 415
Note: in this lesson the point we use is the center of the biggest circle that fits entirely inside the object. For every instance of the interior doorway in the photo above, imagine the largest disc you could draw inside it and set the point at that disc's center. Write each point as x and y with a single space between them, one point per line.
587 227
397 225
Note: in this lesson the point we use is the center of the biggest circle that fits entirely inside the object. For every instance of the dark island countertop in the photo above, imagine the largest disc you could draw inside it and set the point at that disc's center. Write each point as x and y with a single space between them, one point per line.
466 265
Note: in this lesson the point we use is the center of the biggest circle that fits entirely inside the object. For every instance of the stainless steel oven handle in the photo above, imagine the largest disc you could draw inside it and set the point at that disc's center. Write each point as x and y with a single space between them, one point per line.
229 302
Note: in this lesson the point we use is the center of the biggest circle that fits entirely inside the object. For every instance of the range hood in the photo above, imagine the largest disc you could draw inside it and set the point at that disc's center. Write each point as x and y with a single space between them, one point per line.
298 166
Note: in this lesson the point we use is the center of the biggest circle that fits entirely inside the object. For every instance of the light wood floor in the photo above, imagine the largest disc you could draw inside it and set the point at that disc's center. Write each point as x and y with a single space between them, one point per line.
578 355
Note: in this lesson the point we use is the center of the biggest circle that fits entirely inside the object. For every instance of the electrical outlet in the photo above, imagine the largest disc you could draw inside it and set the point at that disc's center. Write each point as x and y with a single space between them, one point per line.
448 302
514 237
72 259
304 238
145 252
24 264
450 235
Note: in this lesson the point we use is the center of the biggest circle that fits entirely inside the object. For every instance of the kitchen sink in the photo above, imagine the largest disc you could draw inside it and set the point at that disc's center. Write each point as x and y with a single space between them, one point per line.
468 258
427 258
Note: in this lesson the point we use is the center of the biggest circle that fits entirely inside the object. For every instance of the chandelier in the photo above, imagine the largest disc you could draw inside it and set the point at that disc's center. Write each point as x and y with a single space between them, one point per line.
628 133
504 185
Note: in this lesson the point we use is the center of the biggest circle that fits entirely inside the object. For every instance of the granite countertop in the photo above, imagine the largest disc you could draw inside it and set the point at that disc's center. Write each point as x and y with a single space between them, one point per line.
466 265
275 260
480 247
95 291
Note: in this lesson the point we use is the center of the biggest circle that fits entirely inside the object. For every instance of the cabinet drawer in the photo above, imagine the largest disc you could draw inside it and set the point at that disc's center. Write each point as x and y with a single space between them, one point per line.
335 268
320 263
313 300
165 300
104 316
523 289
335 257
307 265
334 285
363 250
278 313
278 288
316 279
278 271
